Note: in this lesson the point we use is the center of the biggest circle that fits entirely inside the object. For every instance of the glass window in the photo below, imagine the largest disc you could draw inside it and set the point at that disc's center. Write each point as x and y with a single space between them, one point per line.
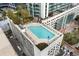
36 5
58 24
70 18
30 4
58 6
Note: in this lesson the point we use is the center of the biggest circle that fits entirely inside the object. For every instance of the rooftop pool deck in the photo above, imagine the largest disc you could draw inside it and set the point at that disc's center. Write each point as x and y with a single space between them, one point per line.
40 33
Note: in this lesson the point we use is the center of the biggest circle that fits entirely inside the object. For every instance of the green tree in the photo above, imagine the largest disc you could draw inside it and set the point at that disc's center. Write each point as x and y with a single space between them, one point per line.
4 14
13 17
25 13
72 38
21 6
22 15
9 13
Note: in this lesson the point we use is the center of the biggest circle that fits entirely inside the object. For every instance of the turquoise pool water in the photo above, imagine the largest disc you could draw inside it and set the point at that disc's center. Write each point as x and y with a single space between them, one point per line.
41 32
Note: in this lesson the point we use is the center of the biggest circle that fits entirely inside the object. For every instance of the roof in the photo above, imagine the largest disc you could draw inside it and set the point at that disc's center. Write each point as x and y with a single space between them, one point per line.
5 47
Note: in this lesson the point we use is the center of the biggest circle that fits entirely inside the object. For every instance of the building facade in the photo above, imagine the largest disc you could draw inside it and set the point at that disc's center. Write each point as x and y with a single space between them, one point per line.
42 10
9 5
61 20
45 10
29 48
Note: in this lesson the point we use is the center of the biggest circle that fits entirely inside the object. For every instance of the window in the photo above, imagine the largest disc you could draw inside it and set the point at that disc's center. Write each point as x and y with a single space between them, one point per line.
30 4
36 5
58 24
69 18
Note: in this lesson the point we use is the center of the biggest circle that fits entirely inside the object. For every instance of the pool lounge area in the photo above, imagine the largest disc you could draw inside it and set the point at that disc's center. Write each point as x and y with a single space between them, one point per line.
40 33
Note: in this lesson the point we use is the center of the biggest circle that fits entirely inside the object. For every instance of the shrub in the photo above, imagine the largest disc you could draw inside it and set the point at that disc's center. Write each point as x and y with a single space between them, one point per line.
71 38
41 46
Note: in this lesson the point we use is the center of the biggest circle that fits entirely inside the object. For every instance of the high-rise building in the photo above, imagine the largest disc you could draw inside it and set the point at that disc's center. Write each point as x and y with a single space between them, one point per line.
44 10
30 35
11 5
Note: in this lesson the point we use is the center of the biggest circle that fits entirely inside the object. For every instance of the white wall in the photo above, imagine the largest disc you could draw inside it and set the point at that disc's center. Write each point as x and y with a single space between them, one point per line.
4 25
37 52
25 45
47 11
42 10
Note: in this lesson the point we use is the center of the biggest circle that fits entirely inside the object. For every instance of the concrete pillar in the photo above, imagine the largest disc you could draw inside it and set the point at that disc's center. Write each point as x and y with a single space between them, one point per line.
32 10
47 11
42 10
65 20
27 4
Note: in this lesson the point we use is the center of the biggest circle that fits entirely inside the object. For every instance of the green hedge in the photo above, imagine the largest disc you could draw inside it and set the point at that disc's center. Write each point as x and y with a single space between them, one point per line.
41 46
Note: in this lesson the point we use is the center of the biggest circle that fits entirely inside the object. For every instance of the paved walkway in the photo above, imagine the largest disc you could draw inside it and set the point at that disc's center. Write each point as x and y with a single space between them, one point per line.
72 49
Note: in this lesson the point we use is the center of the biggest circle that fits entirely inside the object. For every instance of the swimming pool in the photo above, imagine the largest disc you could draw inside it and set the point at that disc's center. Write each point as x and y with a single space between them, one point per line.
41 32
38 33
